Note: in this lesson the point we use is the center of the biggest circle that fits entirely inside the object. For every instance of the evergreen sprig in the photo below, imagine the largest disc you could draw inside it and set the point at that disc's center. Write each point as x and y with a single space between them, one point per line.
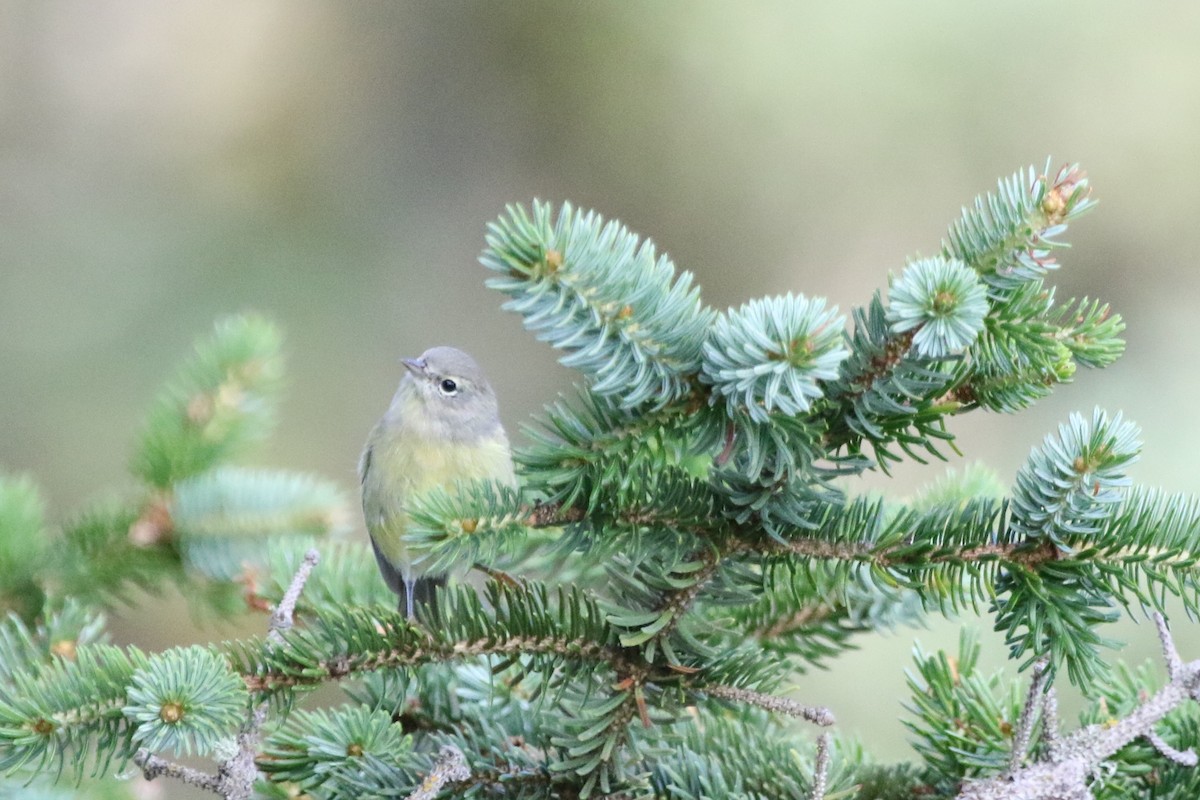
477 522
771 355
943 301
962 721
1068 486
67 710
101 562
1008 236
887 395
337 752
26 650
22 545
219 402
628 322
222 517
185 700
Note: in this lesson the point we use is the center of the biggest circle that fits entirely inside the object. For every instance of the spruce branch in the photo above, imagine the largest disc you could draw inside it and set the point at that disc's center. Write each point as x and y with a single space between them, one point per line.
221 518
943 301
887 395
519 620
59 712
218 403
22 549
589 449
680 546
771 354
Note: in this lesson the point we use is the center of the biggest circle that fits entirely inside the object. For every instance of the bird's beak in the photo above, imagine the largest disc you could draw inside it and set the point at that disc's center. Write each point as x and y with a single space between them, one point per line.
414 365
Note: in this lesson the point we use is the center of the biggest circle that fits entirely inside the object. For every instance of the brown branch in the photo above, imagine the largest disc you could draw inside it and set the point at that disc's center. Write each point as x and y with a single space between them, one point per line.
551 515
1034 700
282 618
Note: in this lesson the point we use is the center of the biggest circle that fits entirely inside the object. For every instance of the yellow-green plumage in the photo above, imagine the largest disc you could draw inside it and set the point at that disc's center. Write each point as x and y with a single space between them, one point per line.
429 438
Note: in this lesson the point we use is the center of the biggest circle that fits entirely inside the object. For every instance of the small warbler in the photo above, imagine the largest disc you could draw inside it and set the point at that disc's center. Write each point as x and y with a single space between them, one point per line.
442 427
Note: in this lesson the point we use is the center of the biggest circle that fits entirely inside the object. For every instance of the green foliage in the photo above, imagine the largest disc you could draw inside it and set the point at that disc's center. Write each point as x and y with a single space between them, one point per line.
627 320
21 545
222 517
26 651
682 544
747 756
185 699
1007 237
333 752
477 523
812 612
1068 486
100 563
945 303
770 354
64 710
218 403
887 395
594 455
962 721
1063 494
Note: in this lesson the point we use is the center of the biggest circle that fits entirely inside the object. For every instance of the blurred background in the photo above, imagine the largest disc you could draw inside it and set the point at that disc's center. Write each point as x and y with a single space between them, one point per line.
333 165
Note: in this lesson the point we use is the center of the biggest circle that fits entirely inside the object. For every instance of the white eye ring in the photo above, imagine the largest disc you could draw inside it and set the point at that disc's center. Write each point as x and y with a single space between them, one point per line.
447 387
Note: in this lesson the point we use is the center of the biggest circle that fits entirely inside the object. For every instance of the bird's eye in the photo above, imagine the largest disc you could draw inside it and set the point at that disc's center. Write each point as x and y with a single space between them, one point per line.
448 386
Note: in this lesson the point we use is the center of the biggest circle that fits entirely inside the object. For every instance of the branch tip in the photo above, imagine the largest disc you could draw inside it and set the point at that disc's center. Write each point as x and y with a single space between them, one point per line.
1184 758
817 715
1170 654
820 768
1034 701
283 617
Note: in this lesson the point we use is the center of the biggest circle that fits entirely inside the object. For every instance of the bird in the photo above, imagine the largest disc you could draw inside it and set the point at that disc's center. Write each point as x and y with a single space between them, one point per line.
442 428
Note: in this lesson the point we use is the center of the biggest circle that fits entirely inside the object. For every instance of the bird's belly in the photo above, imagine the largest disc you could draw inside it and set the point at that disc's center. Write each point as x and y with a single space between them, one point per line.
403 470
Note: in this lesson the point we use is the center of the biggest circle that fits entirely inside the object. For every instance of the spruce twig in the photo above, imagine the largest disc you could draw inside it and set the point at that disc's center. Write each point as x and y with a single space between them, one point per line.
235 776
1050 722
1033 701
818 715
283 617
820 768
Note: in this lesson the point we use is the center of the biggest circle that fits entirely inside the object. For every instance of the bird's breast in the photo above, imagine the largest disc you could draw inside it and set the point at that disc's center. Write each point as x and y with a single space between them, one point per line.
405 464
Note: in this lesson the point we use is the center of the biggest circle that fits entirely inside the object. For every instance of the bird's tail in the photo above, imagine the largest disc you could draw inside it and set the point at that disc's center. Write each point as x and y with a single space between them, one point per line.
421 593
